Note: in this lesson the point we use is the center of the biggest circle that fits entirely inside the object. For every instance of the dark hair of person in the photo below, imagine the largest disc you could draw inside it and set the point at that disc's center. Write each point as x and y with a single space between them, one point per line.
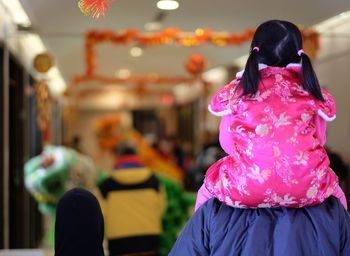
125 148
278 43
79 225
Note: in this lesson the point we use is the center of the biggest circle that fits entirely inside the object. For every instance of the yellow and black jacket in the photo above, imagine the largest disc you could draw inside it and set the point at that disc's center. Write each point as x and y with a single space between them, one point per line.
132 202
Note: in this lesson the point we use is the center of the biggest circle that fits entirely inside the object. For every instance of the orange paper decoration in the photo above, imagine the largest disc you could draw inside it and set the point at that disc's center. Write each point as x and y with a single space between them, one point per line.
108 132
94 8
171 36
195 65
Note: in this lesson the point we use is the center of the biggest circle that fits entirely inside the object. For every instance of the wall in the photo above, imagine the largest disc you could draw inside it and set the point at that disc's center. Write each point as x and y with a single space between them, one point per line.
332 68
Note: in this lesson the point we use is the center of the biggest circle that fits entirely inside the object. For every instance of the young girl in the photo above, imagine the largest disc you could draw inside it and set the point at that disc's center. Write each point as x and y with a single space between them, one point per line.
273 128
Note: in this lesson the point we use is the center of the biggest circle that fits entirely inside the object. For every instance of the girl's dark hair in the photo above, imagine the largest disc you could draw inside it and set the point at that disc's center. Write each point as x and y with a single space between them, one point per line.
278 42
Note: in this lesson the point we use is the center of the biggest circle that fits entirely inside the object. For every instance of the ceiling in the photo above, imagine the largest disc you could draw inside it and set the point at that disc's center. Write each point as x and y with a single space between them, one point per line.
62 26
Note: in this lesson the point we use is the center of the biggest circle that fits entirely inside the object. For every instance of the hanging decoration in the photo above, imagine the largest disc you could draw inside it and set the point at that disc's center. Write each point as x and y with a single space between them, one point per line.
166 36
140 89
108 132
43 109
94 8
195 65
171 36
43 62
138 80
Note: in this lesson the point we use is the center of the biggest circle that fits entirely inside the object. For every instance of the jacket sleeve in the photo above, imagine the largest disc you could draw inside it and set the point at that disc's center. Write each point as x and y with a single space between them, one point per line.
327 109
194 238
219 104
203 195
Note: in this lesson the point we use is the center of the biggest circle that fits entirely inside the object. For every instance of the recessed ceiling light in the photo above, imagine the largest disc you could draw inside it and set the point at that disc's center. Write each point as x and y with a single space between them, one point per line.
167 4
123 73
136 51
153 25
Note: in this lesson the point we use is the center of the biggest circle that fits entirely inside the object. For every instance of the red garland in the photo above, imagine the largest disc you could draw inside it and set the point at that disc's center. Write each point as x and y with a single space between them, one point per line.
94 8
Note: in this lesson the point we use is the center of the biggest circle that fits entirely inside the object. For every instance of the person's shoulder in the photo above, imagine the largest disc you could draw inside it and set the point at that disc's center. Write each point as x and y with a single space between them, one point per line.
331 208
105 185
105 181
335 208
214 208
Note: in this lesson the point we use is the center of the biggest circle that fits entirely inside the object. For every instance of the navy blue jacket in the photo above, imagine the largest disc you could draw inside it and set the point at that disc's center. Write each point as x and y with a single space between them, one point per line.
220 230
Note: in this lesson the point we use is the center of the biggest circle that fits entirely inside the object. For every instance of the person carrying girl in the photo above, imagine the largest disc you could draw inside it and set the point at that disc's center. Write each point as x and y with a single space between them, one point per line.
273 128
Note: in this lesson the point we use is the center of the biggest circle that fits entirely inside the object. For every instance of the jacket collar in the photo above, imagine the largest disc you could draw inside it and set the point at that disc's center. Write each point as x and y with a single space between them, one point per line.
127 161
263 66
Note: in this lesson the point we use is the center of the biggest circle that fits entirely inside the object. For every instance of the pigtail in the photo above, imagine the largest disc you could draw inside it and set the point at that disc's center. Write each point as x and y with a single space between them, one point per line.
251 76
311 83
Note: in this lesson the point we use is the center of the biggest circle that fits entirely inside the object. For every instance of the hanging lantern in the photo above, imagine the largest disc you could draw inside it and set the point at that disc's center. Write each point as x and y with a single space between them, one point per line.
43 62
94 8
196 64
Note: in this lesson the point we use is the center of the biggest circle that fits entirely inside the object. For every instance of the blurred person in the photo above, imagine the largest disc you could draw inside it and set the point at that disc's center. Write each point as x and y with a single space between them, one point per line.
207 156
76 143
337 164
341 169
178 152
133 202
79 226
273 127
165 149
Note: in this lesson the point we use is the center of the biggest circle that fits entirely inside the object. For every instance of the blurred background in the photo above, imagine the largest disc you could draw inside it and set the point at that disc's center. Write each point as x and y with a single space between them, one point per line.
74 85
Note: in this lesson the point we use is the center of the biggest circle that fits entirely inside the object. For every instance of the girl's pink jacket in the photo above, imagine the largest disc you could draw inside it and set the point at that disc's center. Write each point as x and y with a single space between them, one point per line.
274 143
